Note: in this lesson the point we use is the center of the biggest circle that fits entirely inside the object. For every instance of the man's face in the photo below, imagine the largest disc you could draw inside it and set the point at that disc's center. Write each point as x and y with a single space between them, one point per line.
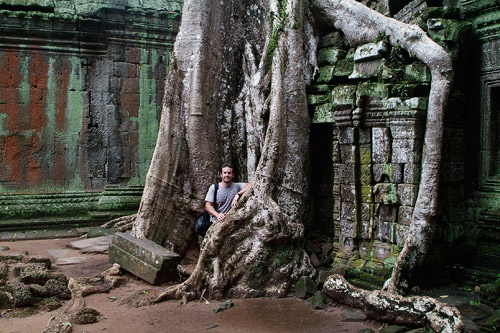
227 175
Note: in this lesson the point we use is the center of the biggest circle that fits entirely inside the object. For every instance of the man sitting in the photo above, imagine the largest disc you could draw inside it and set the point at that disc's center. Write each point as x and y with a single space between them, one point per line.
228 194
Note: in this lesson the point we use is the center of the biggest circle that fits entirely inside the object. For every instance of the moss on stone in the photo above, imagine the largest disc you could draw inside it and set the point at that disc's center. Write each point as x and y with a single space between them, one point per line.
37 274
21 293
305 287
330 56
323 114
87 316
344 67
4 301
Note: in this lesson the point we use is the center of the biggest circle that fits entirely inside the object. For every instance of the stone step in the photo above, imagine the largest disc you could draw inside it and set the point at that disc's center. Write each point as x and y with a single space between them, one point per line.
144 258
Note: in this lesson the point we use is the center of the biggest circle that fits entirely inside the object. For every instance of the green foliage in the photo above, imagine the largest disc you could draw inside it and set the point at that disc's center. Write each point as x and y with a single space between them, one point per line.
382 36
279 26
397 56
397 61
402 90
475 302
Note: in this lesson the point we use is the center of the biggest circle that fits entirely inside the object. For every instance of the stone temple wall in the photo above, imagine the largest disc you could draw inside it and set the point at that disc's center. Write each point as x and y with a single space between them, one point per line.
80 97
483 228
370 101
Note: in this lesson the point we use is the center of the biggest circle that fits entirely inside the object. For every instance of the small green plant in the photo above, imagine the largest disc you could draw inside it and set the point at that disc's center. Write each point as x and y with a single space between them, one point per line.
382 36
396 55
404 90
281 19
475 302
475 278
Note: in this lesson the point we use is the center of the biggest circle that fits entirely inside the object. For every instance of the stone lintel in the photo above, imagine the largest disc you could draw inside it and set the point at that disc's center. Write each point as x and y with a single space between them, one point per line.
144 258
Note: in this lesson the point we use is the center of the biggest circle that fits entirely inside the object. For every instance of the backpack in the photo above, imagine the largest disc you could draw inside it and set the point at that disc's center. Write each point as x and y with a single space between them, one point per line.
202 222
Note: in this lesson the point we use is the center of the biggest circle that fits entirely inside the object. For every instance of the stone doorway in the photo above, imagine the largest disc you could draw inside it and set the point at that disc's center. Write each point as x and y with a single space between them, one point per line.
322 180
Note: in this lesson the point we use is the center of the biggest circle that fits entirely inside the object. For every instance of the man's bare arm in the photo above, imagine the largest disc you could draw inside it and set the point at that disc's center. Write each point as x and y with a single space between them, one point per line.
239 194
209 207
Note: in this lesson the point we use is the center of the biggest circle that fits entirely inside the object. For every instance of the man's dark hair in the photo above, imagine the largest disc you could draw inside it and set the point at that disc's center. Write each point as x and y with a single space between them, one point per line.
227 165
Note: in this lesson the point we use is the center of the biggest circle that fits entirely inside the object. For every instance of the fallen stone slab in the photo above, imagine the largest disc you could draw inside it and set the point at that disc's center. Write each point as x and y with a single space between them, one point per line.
70 261
95 249
89 242
144 258
58 253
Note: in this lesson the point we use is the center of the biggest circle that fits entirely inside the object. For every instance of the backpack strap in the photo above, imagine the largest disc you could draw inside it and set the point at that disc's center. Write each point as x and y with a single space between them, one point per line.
215 195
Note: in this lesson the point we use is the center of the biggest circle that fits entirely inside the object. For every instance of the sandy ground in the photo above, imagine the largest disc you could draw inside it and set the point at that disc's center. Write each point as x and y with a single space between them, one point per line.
120 311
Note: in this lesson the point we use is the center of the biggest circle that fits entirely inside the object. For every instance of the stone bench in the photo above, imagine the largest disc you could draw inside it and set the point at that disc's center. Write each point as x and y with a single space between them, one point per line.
144 258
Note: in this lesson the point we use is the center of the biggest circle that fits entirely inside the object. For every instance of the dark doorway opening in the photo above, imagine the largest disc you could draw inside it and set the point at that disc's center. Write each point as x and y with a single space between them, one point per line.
322 180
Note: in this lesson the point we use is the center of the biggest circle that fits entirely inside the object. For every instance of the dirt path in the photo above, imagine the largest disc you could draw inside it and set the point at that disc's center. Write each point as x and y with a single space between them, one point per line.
121 313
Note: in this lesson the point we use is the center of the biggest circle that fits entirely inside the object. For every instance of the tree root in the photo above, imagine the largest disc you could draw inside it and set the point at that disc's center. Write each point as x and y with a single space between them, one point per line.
121 224
392 308
81 287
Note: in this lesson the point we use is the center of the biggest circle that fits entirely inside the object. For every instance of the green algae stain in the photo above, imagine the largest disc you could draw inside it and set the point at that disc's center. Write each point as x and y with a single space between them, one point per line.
3 132
3 116
148 108
50 110
24 88
74 112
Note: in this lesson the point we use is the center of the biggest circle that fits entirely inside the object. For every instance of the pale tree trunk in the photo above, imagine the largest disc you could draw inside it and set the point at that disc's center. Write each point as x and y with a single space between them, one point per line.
186 160
230 60
360 24
258 249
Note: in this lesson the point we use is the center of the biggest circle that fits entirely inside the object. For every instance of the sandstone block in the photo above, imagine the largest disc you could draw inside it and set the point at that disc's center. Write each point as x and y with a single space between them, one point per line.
346 135
367 69
417 72
367 193
408 194
323 114
332 39
336 152
406 151
365 174
325 74
344 67
316 99
387 213
404 215
347 153
365 153
330 56
348 226
404 104
383 231
347 192
144 258
412 173
372 95
344 97
370 51
381 145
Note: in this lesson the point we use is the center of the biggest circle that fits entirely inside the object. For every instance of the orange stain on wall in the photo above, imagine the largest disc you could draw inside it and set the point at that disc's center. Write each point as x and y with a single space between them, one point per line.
11 143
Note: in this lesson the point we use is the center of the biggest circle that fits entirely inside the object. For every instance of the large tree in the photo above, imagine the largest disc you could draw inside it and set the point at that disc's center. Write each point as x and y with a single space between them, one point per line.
236 91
